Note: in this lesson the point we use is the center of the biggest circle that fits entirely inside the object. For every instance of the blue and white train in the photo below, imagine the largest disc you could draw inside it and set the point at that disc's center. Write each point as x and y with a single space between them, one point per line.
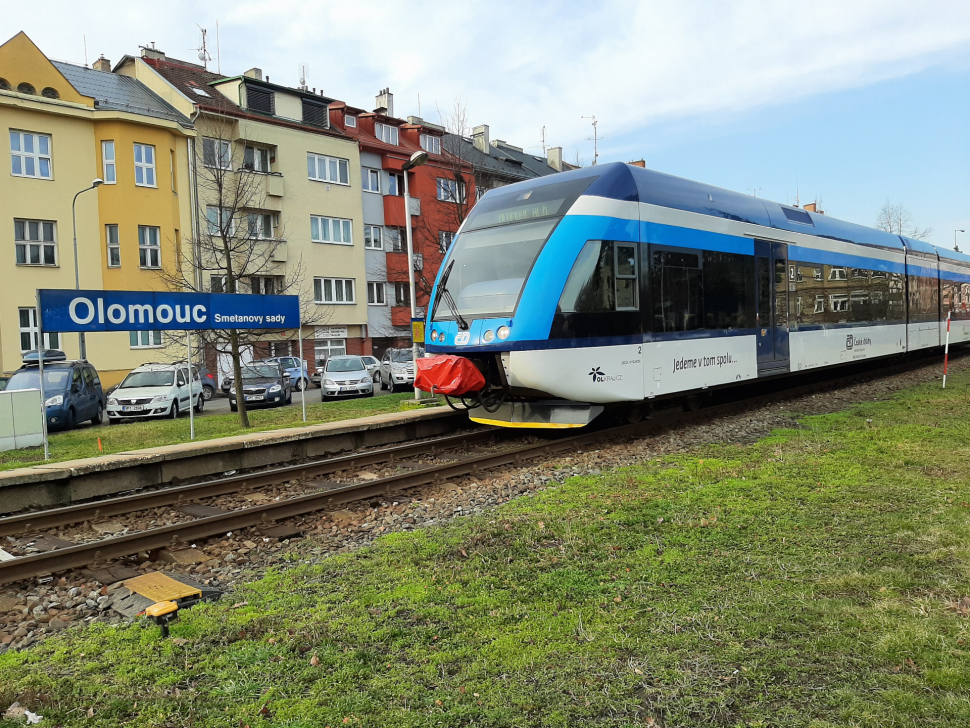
616 284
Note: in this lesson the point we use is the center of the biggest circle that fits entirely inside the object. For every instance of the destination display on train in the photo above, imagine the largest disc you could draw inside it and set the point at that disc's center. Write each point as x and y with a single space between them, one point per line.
520 213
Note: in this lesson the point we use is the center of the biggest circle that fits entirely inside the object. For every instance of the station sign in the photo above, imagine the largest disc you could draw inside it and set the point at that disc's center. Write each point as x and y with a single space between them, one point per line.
66 310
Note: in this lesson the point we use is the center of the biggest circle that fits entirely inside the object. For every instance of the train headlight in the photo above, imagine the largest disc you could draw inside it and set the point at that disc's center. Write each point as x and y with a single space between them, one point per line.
434 335
489 335
503 332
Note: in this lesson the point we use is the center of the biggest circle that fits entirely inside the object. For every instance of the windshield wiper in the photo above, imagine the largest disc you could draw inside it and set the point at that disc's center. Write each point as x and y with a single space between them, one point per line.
443 292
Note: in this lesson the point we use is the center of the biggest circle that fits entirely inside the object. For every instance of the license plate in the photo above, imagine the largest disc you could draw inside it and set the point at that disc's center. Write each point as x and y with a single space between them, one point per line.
253 397
347 389
135 408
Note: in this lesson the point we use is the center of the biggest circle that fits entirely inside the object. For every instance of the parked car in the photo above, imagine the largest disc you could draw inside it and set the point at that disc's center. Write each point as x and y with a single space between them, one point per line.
373 365
72 389
208 383
265 384
156 390
346 376
397 369
295 367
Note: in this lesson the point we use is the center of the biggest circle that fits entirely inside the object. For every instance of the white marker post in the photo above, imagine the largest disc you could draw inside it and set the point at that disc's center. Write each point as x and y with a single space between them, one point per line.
946 350
40 361
303 386
188 347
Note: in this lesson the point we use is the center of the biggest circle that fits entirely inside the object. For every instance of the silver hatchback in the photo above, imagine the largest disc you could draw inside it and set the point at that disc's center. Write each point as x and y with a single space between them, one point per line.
345 376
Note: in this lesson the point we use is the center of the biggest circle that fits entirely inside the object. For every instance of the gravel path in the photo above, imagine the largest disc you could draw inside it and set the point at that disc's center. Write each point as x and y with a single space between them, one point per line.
30 610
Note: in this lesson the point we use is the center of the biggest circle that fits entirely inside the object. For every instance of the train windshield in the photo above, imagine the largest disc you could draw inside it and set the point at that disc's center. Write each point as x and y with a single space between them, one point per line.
501 240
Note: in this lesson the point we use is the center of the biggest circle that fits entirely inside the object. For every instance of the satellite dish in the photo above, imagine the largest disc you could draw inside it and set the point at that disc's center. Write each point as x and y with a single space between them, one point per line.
201 55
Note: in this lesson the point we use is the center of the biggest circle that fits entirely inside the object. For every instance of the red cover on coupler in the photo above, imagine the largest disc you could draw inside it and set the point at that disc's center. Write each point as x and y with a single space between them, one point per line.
452 375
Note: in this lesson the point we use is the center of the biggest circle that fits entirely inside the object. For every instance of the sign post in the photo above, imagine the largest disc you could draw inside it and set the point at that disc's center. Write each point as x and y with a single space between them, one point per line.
188 357
69 310
946 350
40 362
303 385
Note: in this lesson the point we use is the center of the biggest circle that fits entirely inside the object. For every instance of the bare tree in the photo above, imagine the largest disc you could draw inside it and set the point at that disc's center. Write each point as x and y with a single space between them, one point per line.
237 247
578 161
894 218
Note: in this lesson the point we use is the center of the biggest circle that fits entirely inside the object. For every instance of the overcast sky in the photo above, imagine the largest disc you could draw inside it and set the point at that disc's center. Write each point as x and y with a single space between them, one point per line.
853 101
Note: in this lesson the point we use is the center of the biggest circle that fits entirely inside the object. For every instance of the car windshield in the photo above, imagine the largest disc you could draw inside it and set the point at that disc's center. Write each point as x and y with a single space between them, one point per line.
54 379
345 365
148 379
260 371
401 355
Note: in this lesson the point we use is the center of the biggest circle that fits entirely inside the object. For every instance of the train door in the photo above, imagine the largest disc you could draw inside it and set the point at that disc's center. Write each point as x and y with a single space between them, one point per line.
771 276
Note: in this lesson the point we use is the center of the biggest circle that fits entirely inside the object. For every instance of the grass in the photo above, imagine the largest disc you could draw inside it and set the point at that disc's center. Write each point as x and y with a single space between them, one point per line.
811 579
83 442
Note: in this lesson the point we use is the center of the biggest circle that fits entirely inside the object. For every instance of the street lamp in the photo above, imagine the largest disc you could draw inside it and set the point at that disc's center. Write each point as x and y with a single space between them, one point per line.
416 160
95 183
955 237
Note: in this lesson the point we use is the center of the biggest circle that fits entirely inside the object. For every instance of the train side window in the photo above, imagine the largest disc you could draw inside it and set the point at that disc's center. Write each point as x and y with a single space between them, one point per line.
676 282
897 297
878 295
590 287
836 286
810 287
626 277
859 301
727 280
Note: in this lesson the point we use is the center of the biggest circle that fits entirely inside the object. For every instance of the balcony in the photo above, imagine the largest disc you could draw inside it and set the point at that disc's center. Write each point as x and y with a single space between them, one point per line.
394 210
268 191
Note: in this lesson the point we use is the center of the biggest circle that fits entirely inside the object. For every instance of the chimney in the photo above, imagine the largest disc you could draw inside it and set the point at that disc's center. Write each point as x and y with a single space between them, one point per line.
152 53
385 102
810 206
554 158
255 73
102 64
480 138
640 163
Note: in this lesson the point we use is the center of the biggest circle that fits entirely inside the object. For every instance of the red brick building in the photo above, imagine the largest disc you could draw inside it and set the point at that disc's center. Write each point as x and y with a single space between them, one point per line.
442 193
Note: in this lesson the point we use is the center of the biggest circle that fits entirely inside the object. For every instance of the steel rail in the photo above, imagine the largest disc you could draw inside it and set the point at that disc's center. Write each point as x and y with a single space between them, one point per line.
179 495
85 554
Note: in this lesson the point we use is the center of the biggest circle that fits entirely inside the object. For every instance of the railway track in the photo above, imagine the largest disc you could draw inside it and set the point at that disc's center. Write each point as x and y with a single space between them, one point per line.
265 515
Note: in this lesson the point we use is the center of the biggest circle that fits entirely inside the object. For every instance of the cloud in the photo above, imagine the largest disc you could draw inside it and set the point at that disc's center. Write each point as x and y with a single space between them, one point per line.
521 65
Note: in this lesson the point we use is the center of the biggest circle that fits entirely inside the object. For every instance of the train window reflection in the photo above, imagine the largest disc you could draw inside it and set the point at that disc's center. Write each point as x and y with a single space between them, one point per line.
589 287
675 278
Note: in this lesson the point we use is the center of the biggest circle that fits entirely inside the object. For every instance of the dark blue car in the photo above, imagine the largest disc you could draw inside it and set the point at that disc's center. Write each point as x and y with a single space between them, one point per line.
72 388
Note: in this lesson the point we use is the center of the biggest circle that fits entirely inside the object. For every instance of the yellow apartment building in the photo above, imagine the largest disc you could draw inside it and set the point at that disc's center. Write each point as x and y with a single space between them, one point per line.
307 201
66 126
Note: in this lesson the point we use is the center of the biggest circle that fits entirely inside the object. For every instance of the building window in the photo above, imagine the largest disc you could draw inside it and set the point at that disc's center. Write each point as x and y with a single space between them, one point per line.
149 247
36 242
351 121
323 349
480 192
218 219
837 274
114 246
444 241
819 304
370 180
265 285
26 88
333 290
396 239
145 339
817 274
402 294
372 237
258 99
261 225
217 153
431 144
450 191
386 133
28 332
839 302
331 230
316 114
144 165
108 162
30 155
4 84
375 293
217 284
50 93
395 184
328 169
256 159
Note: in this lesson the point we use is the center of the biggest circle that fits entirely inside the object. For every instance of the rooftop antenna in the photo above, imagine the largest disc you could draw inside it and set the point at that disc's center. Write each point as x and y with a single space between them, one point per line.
85 38
797 200
203 51
754 191
218 54
543 141
595 138
419 103
303 85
